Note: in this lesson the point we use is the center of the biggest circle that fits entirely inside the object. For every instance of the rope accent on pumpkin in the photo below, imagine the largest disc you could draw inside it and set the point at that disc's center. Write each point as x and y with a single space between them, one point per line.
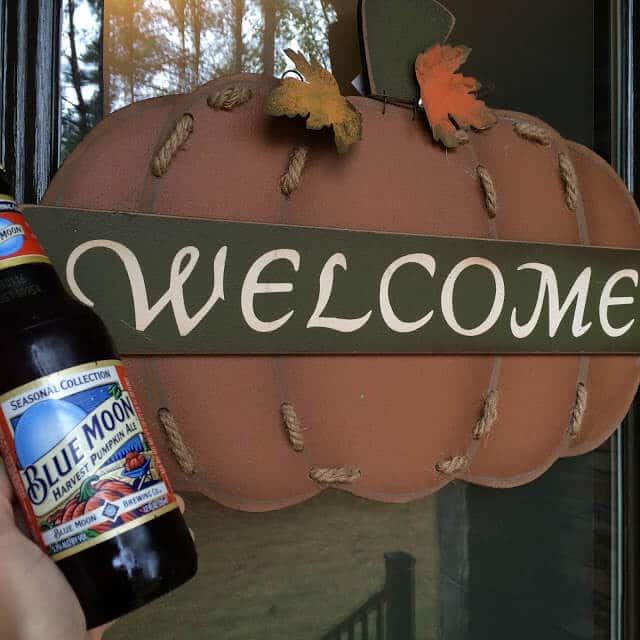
533 132
489 416
180 134
177 445
579 409
335 475
292 425
453 465
290 179
232 96
569 182
489 188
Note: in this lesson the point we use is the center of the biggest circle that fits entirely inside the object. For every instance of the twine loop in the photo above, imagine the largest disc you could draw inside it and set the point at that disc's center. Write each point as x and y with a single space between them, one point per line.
177 445
489 189
533 132
578 411
335 475
569 182
291 178
292 426
162 159
230 97
452 465
489 416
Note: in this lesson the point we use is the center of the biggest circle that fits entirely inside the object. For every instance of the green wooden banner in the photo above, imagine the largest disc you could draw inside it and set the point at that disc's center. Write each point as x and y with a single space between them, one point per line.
183 285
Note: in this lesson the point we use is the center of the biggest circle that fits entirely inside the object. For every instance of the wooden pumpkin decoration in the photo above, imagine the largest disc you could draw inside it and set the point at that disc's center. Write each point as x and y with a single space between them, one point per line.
267 432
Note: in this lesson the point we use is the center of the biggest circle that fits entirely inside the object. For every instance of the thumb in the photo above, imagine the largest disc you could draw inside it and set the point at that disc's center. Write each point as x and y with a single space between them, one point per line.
6 491
6 496
11 516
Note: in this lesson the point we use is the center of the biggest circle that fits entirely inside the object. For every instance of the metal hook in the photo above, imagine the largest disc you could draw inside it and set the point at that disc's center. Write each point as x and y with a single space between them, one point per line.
294 71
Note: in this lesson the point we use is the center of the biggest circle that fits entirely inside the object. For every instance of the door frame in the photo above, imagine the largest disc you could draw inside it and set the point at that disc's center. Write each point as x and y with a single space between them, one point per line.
29 146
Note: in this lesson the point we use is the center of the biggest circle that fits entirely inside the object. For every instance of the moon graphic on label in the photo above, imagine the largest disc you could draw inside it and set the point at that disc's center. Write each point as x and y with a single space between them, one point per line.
43 426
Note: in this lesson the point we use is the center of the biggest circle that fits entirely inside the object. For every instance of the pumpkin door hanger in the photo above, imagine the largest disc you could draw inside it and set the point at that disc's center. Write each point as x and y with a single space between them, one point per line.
265 432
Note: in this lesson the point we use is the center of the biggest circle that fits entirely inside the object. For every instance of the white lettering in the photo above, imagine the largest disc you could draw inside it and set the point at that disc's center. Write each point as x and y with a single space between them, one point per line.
549 286
447 296
180 273
343 325
607 300
252 286
388 314
7 233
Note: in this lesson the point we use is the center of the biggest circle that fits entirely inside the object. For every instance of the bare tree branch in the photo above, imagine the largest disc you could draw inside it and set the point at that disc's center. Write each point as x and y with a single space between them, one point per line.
238 17
76 77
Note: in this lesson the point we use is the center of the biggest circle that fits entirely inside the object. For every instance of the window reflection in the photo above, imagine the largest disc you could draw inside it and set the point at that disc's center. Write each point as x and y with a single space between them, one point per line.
81 71
332 568
155 47
537 559
158 47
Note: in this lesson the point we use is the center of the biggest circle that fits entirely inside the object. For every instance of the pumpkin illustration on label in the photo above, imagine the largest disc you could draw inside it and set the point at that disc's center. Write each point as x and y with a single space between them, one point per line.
94 493
265 432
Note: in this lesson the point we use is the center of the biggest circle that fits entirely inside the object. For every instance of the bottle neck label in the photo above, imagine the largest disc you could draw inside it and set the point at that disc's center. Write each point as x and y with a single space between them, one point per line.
80 458
18 244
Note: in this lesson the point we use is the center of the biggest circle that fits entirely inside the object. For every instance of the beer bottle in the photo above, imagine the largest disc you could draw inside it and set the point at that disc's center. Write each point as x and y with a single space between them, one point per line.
84 469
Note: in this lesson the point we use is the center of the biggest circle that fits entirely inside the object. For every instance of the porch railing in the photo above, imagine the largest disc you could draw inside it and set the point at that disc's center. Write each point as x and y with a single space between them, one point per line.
388 614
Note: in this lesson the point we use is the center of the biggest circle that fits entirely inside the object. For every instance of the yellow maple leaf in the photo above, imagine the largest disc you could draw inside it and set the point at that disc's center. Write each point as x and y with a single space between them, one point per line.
448 95
317 99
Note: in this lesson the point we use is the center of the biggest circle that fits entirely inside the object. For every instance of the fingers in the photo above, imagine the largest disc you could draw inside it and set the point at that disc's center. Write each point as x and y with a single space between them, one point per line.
6 491
10 514
182 508
96 634
6 510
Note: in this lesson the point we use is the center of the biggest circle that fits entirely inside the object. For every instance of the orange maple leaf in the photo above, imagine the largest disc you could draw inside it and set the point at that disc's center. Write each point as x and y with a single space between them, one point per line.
447 95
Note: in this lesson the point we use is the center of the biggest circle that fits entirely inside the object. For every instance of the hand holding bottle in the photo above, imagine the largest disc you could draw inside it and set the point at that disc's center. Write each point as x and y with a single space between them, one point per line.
36 601
80 457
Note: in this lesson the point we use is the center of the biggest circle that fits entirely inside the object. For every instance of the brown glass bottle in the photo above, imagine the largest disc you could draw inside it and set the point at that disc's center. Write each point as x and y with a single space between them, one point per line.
43 331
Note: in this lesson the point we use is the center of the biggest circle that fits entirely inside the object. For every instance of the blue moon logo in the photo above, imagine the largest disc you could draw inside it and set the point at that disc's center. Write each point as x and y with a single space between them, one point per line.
11 240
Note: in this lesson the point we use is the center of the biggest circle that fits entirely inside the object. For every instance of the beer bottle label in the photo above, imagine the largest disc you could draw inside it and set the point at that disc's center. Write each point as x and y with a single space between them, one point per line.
80 457
18 243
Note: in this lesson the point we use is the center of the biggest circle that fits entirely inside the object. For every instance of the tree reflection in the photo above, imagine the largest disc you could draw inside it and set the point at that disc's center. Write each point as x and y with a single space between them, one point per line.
157 47
81 67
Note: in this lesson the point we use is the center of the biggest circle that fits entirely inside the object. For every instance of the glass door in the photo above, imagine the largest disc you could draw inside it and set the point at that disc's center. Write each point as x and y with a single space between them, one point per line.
553 559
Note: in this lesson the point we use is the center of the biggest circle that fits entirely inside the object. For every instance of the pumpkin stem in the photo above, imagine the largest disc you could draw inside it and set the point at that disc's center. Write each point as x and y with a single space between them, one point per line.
87 490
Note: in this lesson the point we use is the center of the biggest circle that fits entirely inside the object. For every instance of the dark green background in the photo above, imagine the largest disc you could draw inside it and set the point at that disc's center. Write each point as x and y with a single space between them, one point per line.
156 239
